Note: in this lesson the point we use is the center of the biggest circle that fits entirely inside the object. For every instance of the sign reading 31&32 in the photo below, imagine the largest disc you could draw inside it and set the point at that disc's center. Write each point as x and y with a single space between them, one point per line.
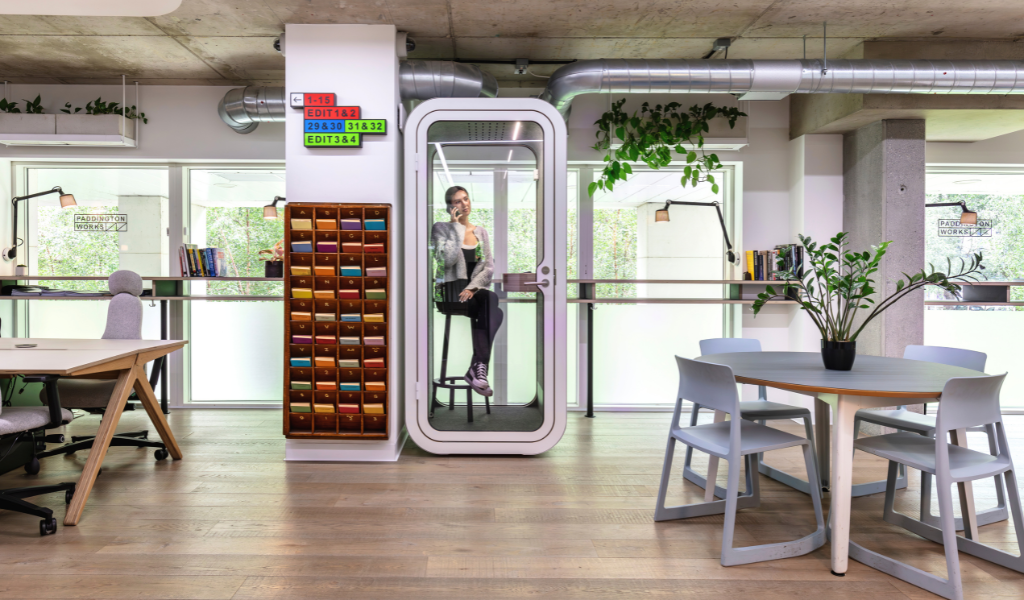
326 125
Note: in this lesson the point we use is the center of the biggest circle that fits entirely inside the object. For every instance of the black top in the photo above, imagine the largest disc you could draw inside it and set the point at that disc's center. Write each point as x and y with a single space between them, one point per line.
470 256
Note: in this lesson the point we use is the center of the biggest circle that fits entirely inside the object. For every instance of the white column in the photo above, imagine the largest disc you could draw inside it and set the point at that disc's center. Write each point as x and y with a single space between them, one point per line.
359 64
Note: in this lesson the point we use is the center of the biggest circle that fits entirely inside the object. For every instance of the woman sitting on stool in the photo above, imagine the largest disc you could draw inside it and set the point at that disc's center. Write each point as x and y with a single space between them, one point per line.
463 253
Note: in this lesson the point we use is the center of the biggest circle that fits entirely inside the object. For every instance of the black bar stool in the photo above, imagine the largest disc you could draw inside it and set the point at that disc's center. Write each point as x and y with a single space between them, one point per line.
448 382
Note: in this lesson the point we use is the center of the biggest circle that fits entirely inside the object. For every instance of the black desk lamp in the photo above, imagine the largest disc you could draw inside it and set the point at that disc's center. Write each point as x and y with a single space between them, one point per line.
66 201
967 217
661 215
270 210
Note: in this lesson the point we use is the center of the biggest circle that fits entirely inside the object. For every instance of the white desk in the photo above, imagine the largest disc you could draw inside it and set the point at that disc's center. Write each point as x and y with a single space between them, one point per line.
97 359
874 382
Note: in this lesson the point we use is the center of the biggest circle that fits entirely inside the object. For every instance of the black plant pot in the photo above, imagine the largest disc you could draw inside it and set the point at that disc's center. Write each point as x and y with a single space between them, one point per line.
838 356
275 268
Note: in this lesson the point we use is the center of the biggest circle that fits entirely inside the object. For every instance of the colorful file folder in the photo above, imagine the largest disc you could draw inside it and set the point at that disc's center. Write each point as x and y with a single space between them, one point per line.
374 317
300 407
351 409
348 386
323 317
302 293
302 339
376 294
348 341
348 363
375 386
301 385
296 270
324 271
351 224
301 316
300 362
326 224
374 248
350 318
323 294
373 341
323 408
302 224
374 363
323 361
350 271
328 247
326 386
375 225
302 247
377 272
348 294
326 340
373 409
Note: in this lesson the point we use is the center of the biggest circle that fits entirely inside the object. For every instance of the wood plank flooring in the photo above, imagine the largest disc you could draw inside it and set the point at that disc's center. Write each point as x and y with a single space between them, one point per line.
232 520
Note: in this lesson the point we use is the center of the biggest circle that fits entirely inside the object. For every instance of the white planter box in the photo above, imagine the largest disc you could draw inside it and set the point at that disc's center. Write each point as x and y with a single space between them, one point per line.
95 125
19 123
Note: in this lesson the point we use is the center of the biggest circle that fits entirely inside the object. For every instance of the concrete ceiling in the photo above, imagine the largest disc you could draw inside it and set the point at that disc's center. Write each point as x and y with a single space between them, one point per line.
229 42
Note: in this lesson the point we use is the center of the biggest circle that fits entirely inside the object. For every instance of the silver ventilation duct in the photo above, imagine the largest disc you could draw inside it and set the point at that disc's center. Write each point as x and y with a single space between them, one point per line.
245 108
776 79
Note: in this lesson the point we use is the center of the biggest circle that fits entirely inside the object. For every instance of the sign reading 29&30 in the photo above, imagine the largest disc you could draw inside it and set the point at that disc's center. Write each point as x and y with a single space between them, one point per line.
327 125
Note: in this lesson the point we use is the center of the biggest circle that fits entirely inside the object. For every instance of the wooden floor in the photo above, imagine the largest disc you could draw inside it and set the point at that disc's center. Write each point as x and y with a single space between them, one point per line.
232 520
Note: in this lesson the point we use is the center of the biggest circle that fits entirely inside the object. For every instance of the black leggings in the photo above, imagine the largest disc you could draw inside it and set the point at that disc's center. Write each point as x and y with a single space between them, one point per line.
485 318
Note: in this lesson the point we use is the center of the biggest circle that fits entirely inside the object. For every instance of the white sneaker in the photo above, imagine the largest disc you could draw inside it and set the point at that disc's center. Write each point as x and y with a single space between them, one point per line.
476 377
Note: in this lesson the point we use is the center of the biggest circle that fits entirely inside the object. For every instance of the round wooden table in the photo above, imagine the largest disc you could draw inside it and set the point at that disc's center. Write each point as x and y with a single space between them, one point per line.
874 382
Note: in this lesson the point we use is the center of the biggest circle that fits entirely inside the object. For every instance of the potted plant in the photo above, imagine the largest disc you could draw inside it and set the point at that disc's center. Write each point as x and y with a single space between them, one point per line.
100 118
838 285
31 121
273 265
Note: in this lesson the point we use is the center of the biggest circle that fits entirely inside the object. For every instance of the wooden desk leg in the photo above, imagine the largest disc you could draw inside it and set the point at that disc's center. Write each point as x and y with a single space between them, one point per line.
156 415
108 426
842 481
709 489
966 489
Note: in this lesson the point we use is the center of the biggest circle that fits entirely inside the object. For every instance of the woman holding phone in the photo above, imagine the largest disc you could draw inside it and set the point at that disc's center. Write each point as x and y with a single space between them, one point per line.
464 262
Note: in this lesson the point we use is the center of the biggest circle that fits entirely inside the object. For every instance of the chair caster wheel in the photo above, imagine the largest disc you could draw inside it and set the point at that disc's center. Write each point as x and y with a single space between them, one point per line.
48 526
160 454
32 467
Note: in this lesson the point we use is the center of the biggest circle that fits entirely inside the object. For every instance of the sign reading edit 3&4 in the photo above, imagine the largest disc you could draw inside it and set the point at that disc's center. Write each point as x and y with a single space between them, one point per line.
327 125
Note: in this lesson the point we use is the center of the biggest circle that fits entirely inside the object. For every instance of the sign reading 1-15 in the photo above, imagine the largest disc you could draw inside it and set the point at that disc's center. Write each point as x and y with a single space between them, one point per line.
326 125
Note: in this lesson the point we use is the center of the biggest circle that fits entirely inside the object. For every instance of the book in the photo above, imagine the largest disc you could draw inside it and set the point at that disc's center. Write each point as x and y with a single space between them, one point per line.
376 294
326 224
301 316
373 341
324 271
300 362
351 247
352 409
348 341
374 248
301 385
377 272
301 270
183 261
350 271
326 386
375 386
300 407
328 247
221 258
323 408
348 362
323 317
348 294
324 361
374 317
302 223
349 386
351 224
302 339
323 294
374 363
302 247
302 293
350 318
375 225
326 340
211 263
373 409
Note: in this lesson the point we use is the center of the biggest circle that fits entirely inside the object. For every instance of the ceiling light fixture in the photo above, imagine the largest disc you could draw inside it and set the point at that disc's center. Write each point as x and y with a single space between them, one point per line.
967 217
66 201
661 216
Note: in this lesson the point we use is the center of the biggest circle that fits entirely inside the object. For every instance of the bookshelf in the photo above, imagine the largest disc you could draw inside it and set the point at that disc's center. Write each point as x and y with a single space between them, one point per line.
337 320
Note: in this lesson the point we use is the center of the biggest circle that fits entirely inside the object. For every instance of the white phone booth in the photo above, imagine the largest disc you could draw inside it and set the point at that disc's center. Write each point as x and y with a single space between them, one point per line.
510 157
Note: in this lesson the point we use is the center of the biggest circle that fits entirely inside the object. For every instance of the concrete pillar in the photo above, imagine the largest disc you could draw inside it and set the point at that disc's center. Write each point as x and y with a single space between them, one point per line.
883 188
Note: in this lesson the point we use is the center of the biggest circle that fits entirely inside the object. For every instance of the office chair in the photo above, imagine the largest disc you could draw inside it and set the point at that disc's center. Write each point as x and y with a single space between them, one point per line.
124 322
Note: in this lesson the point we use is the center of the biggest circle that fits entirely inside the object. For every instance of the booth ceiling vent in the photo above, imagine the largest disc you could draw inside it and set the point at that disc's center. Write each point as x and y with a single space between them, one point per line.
486 132
776 79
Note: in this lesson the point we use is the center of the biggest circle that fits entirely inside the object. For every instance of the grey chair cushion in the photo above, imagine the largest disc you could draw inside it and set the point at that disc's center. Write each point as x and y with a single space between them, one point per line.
82 393
125 282
27 418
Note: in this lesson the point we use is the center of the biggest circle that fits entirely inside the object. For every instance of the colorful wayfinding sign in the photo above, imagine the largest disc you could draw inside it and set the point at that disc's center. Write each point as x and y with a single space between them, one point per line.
327 125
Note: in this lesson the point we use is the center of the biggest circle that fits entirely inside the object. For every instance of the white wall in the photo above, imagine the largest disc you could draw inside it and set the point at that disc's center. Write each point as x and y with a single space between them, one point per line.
183 126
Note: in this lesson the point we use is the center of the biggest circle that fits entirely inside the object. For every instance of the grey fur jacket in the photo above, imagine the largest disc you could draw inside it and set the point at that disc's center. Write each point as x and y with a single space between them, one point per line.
447 242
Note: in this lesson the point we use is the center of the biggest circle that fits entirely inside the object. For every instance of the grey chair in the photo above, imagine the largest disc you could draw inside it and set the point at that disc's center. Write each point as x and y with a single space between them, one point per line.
902 419
966 402
736 440
124 322
22 431
760 410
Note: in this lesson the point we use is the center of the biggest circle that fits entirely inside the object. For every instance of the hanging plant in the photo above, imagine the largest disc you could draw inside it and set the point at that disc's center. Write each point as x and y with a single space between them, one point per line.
652 134
100 107
32 107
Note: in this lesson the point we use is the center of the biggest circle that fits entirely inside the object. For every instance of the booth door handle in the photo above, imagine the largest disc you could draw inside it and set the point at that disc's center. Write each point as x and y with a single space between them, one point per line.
543 283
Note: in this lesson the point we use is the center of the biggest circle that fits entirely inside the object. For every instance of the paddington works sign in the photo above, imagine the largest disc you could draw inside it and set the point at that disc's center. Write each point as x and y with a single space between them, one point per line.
101 223
953 228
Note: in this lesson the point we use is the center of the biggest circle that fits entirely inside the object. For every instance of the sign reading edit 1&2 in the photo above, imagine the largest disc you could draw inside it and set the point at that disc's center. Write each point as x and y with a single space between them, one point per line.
327 125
